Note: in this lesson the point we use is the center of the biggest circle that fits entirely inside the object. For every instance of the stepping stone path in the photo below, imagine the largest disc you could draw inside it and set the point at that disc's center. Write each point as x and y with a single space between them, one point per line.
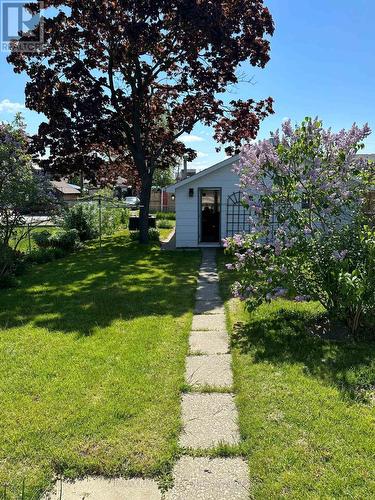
209 418
106 489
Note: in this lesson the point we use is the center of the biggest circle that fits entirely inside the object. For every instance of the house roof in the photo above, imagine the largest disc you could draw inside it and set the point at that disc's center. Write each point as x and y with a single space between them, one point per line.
203 173
66 188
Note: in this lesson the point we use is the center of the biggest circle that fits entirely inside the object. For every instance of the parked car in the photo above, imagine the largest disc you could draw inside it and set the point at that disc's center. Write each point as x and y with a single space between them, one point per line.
132 202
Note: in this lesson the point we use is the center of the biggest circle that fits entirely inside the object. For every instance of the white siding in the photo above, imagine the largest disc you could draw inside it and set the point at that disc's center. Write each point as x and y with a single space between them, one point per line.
187 219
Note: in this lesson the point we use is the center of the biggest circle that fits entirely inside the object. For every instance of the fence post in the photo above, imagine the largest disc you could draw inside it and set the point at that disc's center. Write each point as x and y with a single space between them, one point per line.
29 236
100 221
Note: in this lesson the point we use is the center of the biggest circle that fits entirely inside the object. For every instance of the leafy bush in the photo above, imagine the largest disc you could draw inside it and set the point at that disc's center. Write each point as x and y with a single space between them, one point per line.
165 216
303 189
113 219
42 239
66 240
353 299
165 224
43 255
84 218
124 217
10 263
153 235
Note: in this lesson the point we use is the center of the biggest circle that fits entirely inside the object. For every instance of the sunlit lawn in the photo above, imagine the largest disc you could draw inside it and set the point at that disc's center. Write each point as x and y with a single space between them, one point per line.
92 351
26 243
306 405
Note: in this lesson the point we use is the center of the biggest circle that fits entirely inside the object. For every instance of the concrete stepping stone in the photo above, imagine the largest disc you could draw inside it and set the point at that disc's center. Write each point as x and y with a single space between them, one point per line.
209 322
208 269
208 420
209 342
209 307
210 479
101 488
210 291
207 296
208 278
213 370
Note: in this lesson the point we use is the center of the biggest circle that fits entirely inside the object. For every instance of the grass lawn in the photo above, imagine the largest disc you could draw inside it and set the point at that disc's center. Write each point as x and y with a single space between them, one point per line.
306 405
24 244
92 353
164 233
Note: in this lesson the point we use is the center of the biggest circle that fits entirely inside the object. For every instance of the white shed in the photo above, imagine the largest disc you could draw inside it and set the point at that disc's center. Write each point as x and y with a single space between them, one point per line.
208 207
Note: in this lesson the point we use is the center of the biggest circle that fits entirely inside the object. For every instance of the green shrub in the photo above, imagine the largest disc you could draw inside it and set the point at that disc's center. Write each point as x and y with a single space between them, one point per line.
10 263
41 239
124 216
165 215
165 224
113 219
153 235
43 255
85 219
66 240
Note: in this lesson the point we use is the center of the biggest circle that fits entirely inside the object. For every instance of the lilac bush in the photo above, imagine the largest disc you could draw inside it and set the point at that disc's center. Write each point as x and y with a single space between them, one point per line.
303 187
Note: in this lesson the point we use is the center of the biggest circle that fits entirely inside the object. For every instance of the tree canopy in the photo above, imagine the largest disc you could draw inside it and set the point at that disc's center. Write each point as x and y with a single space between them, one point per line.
22 189
135 75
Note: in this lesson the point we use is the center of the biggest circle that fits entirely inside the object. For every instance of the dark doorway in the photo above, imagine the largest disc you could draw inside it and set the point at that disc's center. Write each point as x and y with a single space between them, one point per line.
210 201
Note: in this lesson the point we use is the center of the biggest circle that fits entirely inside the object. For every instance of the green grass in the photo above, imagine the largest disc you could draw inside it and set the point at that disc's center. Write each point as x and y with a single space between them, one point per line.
164 233
24 244
306 405
92 352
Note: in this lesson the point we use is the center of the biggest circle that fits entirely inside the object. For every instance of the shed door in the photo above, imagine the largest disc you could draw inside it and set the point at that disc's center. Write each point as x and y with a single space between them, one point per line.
210 203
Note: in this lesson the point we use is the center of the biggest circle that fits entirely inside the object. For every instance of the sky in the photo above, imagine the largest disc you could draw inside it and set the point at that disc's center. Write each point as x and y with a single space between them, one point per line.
322 64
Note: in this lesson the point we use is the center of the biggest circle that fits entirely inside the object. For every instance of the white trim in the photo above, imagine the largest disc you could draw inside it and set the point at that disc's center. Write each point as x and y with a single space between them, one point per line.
202 173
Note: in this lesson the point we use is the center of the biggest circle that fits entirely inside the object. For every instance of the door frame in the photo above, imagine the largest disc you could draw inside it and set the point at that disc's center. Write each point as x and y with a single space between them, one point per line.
200 189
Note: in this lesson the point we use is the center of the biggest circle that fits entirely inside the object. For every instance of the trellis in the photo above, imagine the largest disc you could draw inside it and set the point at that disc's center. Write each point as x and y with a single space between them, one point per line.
238 216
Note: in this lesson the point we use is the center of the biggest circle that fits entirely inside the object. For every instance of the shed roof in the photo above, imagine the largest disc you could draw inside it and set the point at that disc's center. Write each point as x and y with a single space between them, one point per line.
225 163
203 173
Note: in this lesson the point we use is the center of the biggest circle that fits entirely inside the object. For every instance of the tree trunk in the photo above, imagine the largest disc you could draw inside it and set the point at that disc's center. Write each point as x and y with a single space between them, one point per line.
145 207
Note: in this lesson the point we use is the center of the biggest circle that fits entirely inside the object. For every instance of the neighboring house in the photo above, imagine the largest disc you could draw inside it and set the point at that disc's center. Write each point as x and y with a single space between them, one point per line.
68 193
161 201
208 206
185 173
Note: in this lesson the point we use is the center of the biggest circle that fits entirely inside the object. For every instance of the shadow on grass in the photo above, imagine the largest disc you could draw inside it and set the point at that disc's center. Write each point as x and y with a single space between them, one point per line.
284 336
92 288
